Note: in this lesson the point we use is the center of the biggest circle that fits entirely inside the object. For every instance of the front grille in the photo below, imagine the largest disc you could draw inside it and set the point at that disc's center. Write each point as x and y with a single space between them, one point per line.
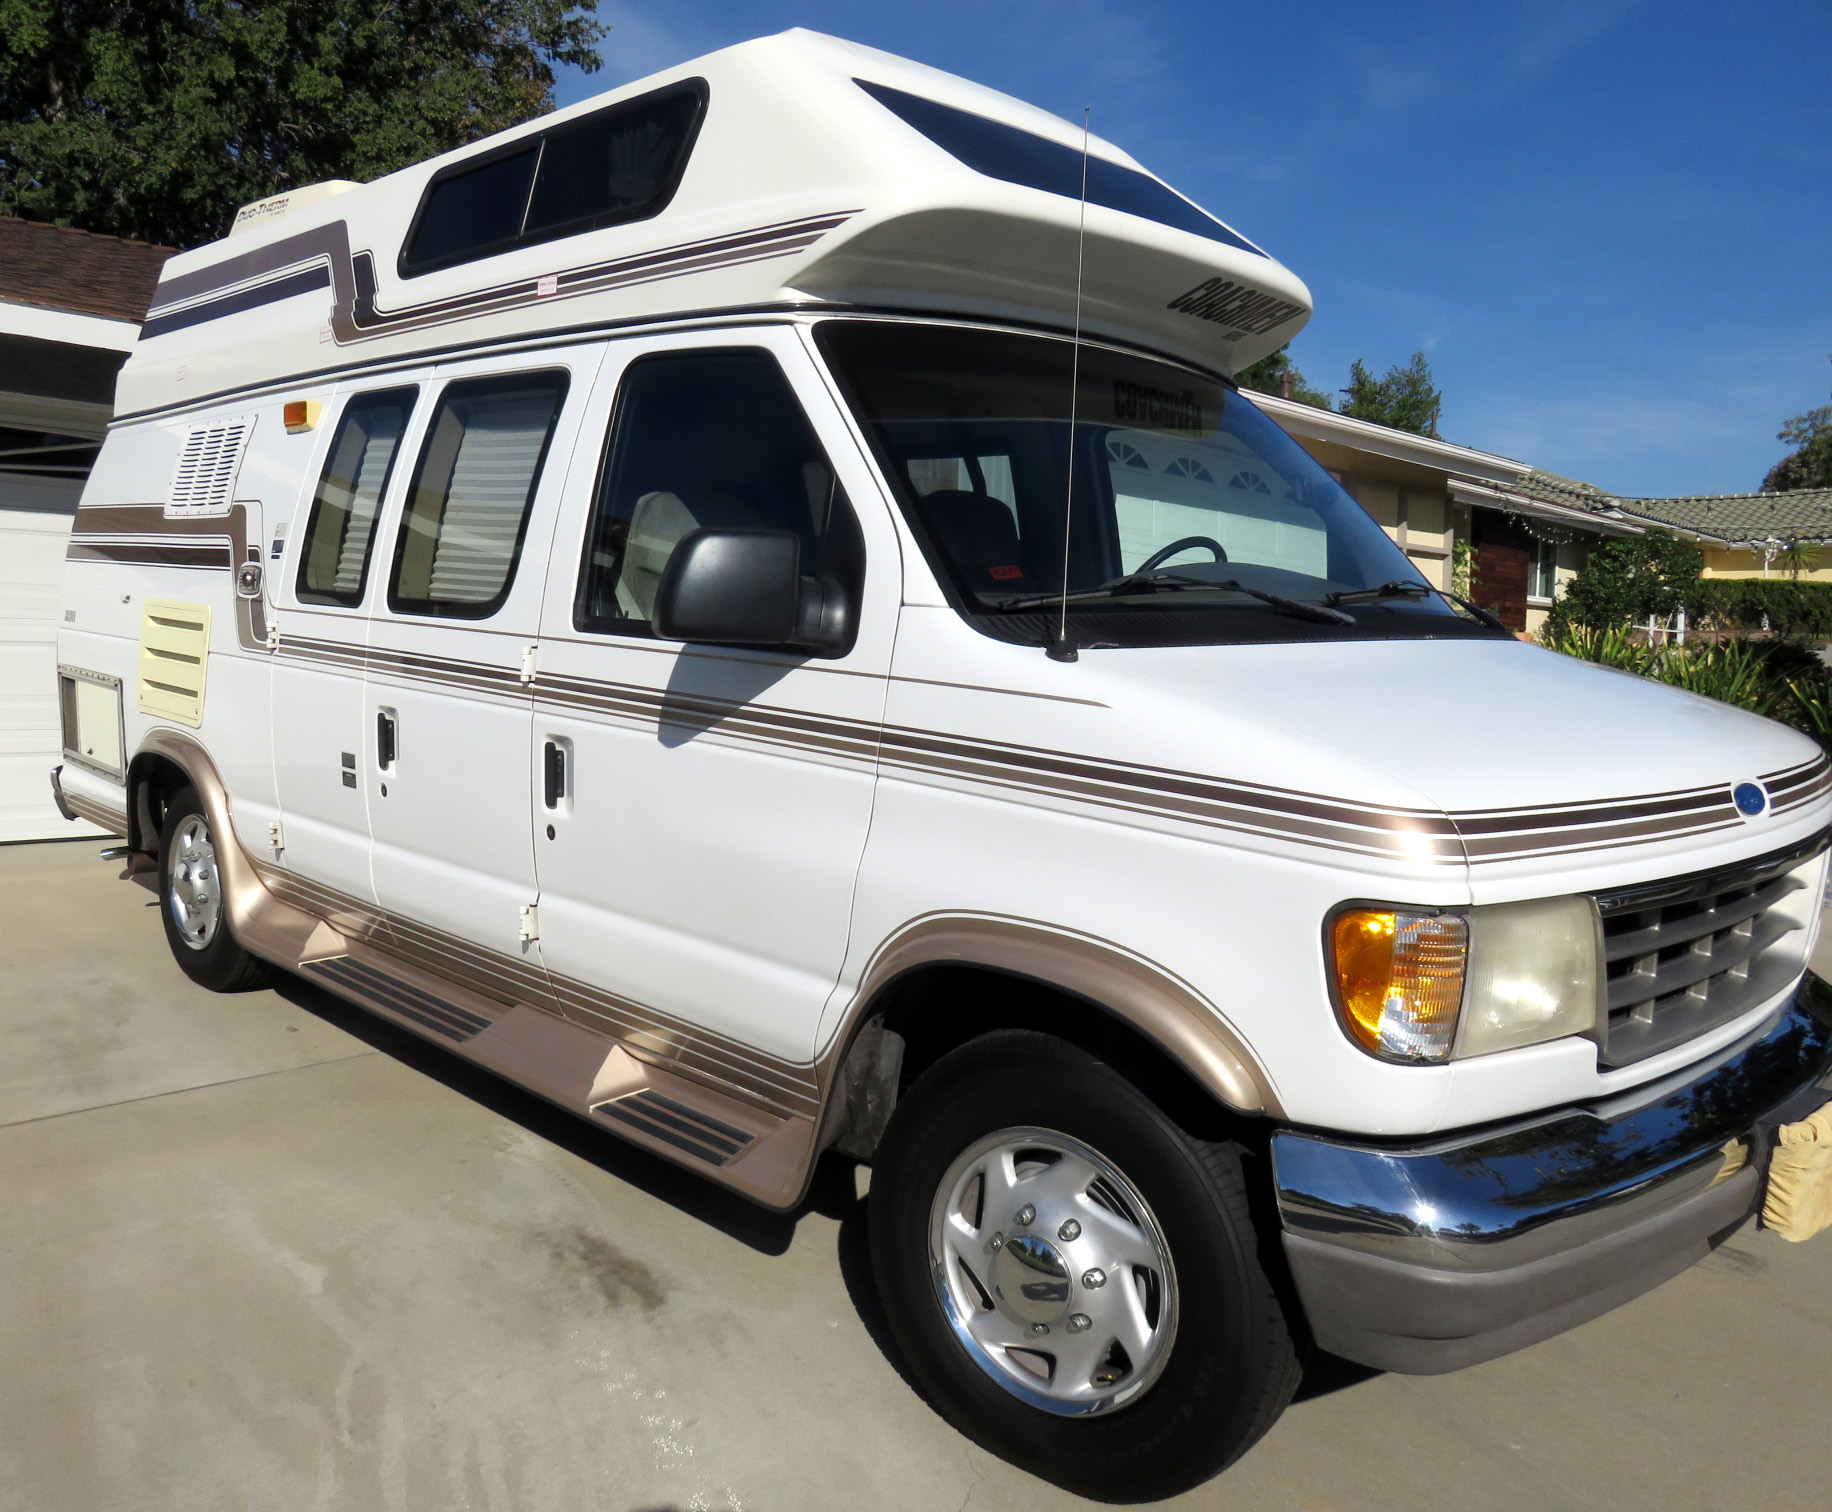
1686 955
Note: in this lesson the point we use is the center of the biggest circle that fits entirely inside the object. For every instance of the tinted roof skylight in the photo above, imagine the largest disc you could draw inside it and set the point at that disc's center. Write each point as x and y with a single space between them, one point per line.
1021 157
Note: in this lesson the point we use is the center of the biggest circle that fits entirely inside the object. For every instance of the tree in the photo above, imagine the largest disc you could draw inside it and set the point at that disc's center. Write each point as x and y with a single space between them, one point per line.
1278 374
1797 556
1630 579
1810 464
1404 398
157 118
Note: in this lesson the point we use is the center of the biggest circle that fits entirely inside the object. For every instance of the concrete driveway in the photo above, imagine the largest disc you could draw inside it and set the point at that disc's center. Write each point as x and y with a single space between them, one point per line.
264 1252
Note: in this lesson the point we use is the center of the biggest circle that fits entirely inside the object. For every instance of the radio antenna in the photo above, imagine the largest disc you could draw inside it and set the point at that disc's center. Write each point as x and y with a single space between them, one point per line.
1061 648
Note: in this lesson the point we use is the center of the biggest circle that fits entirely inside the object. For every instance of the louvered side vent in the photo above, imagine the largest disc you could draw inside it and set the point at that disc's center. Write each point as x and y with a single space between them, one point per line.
174 654
204 481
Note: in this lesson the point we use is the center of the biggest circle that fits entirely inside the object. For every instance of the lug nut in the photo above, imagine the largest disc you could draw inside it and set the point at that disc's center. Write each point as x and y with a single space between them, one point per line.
1069 1230
996 1243
1078 1323
1025 1215
1038 1330
1093 1278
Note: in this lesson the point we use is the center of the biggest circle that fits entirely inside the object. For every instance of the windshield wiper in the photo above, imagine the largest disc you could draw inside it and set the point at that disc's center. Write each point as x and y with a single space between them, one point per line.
1131 582
1156 582
1396 589
1413 590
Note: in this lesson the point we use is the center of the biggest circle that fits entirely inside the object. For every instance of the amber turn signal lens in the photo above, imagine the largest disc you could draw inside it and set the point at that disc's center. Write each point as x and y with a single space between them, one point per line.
1399 980
300 414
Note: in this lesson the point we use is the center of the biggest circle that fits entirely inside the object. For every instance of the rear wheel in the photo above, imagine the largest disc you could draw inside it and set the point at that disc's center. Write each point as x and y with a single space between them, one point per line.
192 905
1073 1278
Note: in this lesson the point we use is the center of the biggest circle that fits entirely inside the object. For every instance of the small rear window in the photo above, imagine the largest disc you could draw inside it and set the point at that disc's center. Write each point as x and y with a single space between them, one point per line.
1021 157
621 164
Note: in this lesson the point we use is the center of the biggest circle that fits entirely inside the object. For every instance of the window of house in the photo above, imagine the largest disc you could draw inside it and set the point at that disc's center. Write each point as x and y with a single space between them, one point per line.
468 508
1542 570
334 561
618 164
707 441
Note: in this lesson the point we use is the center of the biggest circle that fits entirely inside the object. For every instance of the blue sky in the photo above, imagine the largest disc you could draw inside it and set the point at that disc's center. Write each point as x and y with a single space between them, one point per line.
1608 222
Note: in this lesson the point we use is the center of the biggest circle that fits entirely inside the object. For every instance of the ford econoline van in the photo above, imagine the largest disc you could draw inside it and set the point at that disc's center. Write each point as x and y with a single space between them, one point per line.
754 608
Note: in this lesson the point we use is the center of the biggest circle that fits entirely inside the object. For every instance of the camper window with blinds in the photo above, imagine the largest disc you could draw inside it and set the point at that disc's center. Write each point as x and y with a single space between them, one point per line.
754 608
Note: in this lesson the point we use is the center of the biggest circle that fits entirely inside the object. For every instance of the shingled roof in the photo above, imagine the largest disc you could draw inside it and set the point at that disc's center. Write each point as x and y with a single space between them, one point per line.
81 271
1793 514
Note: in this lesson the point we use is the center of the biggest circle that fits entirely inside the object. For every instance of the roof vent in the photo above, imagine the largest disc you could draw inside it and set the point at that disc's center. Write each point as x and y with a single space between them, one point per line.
204 483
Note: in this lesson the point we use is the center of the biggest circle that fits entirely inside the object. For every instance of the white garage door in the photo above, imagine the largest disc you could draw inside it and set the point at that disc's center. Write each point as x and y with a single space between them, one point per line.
35 518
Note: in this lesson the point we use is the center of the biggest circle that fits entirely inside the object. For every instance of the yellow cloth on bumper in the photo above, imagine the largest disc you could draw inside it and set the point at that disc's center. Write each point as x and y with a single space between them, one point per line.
1799 1200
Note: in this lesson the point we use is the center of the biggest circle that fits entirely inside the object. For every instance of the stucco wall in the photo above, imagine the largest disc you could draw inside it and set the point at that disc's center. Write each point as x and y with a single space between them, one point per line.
1725 562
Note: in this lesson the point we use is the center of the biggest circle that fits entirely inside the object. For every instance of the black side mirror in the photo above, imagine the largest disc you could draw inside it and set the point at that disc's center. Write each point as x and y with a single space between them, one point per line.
743 588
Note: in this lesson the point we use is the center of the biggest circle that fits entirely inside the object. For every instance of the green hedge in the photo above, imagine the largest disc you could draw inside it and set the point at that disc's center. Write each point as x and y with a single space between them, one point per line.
1789 608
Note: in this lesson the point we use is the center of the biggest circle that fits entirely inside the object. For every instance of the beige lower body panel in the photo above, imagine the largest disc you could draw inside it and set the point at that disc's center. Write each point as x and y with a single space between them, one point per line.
714 1106
760 1152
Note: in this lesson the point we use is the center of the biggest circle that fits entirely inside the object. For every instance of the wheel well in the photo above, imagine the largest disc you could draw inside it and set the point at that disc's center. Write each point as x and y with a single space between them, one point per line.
933 1009
152 781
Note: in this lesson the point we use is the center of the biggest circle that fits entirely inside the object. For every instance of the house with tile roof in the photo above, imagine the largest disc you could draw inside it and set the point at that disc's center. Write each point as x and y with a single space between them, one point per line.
1741 535
1527 532
70 306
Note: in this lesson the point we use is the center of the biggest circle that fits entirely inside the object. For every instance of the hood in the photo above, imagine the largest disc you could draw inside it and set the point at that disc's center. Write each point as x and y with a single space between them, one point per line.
1530 754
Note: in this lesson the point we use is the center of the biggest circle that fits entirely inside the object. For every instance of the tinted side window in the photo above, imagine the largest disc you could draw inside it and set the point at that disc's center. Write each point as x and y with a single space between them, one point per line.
1021 157
468 509
473 213
334 559
707 440
619 164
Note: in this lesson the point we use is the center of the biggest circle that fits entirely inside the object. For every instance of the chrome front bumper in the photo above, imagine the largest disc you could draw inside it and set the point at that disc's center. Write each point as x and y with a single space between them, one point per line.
1428 1256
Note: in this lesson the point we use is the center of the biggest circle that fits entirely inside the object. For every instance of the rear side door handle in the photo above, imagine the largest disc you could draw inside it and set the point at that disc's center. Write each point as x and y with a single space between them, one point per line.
553 773
386 746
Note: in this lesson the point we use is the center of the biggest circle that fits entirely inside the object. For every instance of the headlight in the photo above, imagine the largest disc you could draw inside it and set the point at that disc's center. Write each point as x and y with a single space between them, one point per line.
1532 974
1422 986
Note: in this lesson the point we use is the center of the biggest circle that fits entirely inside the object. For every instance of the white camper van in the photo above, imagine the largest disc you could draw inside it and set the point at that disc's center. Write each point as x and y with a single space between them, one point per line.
753 607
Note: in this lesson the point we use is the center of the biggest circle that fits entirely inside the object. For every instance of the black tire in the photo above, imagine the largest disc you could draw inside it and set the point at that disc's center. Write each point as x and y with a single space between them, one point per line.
220 963
1231 1365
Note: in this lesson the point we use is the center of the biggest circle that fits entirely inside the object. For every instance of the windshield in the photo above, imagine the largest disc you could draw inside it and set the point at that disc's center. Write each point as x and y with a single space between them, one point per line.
1192 518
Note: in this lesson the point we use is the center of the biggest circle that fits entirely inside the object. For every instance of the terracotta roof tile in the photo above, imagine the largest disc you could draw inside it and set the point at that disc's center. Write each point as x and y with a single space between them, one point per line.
82 271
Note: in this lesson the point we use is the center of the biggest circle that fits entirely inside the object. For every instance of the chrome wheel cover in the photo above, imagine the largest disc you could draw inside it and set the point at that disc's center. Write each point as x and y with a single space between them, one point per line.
193 892
1053 1272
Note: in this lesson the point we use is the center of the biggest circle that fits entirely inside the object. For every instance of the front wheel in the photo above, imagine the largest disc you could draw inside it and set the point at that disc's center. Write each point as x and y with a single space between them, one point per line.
193 906
1073 1278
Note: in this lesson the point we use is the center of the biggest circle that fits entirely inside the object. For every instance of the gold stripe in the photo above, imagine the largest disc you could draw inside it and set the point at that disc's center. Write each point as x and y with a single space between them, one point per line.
1474 836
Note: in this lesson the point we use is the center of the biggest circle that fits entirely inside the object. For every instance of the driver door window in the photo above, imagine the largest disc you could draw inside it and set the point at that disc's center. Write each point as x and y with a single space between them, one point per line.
707 441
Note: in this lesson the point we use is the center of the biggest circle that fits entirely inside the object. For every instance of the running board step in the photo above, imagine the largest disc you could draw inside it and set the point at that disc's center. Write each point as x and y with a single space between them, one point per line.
675 1124
375 987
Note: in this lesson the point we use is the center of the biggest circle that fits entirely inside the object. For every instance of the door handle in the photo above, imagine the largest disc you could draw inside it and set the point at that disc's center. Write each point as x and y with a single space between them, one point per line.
385 745
553 774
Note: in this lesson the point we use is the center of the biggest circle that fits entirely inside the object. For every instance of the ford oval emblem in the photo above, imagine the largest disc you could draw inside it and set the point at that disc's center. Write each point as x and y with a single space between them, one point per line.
1750 798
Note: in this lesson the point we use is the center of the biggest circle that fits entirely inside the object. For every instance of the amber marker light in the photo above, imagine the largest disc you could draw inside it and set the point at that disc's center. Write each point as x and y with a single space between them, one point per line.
1399 980
300 414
